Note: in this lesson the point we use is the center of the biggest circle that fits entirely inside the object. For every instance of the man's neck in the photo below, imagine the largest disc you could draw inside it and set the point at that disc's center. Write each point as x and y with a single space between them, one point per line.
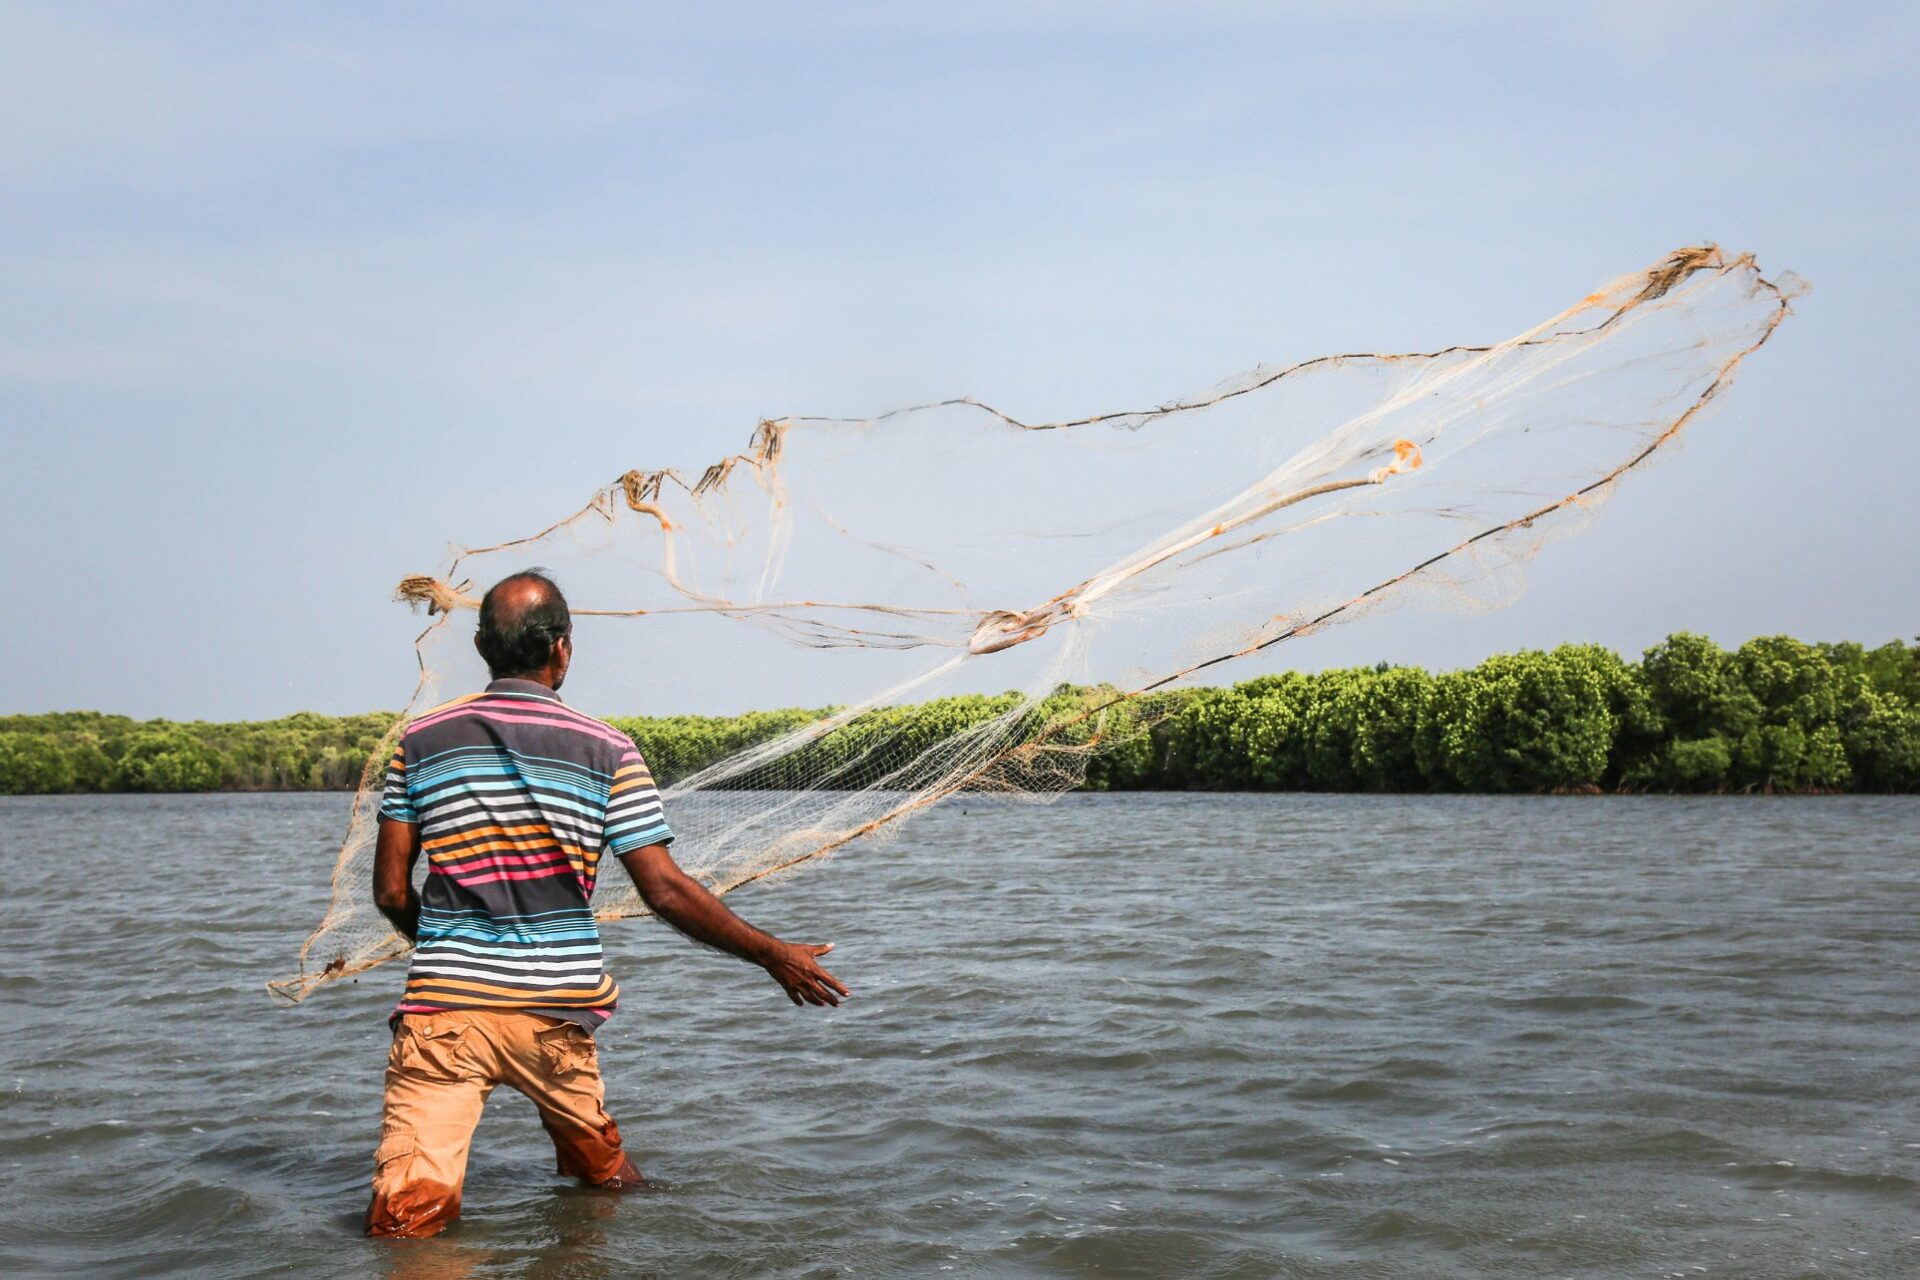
541 680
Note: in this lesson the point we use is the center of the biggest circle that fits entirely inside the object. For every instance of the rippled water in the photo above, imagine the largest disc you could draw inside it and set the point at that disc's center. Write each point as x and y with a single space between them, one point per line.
1162 1035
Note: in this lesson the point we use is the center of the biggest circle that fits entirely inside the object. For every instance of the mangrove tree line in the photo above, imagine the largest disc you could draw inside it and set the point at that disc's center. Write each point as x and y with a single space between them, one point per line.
1776 715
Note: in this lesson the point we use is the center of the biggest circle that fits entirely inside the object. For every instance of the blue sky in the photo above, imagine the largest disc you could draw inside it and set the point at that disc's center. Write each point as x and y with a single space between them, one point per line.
292 297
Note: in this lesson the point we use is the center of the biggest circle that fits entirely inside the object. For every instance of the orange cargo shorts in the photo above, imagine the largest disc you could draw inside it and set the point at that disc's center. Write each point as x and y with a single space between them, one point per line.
440 1071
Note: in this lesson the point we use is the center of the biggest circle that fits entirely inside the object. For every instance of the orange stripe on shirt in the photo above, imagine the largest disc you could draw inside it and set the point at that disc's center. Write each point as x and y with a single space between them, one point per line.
508 834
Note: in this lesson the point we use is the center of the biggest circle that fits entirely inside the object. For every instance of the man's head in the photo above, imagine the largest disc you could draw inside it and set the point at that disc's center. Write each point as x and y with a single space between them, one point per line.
525 630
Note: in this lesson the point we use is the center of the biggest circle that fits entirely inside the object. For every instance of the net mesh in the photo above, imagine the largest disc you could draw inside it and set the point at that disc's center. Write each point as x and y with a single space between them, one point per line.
933 554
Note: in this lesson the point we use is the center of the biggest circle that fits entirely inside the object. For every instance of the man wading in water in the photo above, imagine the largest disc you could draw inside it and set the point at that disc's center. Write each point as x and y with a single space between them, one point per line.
515 797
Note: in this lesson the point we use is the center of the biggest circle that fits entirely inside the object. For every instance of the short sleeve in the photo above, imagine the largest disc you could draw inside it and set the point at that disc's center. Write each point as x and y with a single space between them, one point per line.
634 816
396 803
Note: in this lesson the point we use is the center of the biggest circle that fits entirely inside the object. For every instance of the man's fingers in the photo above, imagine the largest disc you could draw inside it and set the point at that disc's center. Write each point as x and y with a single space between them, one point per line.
804 981
830 987
820 975
826 983
809 986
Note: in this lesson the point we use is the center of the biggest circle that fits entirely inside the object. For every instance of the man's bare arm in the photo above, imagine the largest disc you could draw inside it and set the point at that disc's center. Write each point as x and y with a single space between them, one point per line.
393 892
691 907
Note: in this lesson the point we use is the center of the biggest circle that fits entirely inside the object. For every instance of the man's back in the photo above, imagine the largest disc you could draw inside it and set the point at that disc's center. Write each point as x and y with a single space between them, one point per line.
517 797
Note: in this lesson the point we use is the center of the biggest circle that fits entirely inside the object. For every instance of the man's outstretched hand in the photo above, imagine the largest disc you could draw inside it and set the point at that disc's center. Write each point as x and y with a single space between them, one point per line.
793 965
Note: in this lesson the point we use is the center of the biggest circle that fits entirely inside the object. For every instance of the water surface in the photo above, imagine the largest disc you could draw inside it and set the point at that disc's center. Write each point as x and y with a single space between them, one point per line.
1120 1035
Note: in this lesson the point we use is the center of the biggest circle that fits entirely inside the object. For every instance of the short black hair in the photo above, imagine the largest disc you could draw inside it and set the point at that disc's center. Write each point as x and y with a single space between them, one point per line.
515 641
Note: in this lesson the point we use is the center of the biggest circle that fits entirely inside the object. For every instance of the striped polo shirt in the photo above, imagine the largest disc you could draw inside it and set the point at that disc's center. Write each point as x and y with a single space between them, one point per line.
517 796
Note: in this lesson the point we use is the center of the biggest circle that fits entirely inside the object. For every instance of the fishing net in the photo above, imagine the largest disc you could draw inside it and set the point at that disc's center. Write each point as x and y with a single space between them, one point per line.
890 571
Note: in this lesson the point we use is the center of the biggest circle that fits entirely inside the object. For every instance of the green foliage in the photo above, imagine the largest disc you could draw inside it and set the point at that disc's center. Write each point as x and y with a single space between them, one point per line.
1135 740
1207 740
88 752
1780 715
875 748
169 759
677 747
1881 736
1527 721
1773 715
1360 729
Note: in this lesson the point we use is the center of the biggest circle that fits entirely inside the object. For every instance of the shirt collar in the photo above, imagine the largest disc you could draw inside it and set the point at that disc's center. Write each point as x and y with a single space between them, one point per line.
527 688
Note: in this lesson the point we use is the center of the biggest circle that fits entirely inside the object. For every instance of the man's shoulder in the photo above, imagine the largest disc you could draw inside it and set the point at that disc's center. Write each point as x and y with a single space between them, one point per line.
595 734
616 738
422 719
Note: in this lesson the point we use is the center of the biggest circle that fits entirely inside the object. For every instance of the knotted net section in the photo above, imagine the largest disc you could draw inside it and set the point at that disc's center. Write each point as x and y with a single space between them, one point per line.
973 603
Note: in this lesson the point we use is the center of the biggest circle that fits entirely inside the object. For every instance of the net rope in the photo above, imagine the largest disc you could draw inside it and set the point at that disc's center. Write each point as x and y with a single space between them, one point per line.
1030 586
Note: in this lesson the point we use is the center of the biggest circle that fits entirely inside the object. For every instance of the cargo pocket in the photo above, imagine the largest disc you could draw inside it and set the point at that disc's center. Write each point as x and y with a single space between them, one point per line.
429 1049
568 1049
389 1159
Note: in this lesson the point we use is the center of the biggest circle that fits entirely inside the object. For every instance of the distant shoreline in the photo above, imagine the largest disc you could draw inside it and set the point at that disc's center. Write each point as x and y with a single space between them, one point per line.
1774 716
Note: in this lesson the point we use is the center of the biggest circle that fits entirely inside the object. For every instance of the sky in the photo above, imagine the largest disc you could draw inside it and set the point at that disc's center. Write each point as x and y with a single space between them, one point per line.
294 297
